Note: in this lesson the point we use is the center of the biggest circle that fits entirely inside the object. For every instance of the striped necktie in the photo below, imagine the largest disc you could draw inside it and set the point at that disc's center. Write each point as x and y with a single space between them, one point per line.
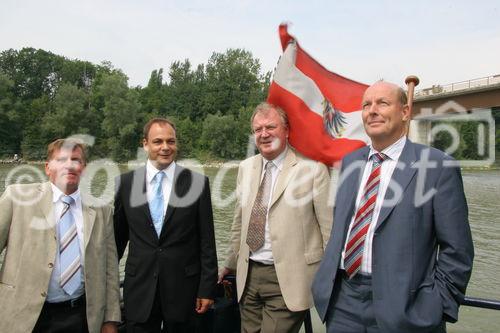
69 249
257 224
354 247
156 205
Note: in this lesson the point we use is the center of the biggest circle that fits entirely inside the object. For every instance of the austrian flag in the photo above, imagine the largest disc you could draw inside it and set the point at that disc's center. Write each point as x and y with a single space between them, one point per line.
323 108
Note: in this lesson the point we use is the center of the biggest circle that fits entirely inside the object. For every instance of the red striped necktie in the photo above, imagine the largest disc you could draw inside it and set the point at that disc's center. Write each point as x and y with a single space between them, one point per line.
354 247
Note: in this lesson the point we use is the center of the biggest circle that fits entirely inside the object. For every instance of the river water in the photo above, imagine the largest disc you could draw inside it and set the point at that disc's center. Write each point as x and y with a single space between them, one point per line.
483 195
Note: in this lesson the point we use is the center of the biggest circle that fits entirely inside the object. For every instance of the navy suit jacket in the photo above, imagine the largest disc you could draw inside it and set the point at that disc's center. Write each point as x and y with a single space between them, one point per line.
182 262
422 247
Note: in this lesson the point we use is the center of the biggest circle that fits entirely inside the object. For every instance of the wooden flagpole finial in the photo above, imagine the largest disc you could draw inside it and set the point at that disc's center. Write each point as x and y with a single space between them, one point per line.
411 81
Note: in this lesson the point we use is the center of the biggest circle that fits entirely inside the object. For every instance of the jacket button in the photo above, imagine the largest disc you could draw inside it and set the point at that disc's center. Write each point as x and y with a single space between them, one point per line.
43 294
246 259
50 265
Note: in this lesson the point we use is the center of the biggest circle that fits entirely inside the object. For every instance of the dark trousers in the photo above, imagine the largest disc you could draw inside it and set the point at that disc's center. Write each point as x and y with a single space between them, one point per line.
63 317
351 307
156 323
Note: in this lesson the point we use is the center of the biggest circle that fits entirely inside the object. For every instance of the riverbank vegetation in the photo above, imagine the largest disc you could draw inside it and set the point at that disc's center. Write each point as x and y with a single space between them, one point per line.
44 96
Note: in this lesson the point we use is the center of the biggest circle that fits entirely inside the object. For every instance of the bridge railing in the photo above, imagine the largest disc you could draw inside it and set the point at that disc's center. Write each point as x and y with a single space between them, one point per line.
481 303
458 86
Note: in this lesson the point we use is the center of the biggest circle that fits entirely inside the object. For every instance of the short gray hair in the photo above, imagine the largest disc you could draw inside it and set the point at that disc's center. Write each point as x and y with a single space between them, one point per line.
265 107
403 98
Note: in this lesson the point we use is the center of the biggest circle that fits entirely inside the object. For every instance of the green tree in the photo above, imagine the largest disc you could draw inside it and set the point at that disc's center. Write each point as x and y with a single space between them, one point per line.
69 115
184 91
44 96
496 115
188 137
233 80
152 97
34 141
222 138
9 120
120 129
33 71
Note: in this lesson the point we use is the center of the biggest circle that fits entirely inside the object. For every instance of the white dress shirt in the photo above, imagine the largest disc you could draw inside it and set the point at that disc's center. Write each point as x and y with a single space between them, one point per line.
55 293
387 168
166 185
265 253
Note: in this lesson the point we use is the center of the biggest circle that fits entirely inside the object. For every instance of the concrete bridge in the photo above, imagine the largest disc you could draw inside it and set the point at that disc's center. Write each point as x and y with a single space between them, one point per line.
474 100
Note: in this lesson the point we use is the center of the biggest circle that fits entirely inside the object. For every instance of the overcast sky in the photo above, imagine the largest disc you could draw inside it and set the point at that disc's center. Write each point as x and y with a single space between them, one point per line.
439 41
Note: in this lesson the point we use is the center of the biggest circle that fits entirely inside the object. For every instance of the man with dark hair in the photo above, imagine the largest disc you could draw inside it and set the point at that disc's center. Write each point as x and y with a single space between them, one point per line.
164 212
400 255
281 224
60 271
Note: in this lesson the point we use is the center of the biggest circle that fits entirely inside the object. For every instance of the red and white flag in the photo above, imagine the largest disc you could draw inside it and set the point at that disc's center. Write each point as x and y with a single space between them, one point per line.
323 108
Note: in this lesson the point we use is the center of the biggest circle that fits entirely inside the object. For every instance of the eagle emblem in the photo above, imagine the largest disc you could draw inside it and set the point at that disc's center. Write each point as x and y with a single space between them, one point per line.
333 120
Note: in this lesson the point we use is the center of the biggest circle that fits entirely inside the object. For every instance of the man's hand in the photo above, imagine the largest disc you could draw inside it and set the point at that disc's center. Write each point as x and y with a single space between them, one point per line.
223 272
203 304
109 327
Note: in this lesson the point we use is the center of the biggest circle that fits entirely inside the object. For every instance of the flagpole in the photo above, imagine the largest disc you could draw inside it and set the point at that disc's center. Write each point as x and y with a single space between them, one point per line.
411 81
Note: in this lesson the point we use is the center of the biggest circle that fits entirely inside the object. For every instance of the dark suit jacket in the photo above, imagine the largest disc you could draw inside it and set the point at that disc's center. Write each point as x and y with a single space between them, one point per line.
182 262
422 249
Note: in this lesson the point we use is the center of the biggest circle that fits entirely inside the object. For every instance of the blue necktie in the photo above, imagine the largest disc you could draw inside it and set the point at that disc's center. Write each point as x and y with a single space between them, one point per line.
69 249
157 202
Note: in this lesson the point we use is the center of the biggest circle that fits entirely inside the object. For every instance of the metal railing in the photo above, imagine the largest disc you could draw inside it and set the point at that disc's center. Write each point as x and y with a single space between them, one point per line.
458 86
482 303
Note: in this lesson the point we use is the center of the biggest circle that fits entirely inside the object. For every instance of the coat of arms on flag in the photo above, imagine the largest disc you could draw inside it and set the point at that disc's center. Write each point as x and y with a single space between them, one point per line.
324 108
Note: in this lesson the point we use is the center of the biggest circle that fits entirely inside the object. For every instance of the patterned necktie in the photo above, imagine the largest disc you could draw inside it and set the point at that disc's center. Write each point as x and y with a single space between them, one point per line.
256 227
157 203
69 249
354 247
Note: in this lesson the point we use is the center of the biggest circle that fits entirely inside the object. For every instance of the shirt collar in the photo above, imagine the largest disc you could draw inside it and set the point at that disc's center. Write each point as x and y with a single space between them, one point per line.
57 194
393 151
278 161
151 171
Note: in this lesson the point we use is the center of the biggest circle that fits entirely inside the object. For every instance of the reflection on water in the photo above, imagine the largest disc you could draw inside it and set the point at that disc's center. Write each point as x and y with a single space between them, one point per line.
483 193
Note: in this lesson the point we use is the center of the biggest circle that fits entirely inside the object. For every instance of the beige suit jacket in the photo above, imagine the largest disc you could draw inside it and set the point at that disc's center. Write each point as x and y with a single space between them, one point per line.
27 232
300 221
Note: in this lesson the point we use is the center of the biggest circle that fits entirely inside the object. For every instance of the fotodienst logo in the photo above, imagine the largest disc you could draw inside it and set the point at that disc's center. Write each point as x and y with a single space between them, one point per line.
467 135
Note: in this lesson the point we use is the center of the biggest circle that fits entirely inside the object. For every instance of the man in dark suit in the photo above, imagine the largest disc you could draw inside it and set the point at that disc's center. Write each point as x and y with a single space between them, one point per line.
400 255
164 212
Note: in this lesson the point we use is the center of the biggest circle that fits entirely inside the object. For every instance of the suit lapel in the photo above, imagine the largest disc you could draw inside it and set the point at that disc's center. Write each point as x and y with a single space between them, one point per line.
254 180
346 203
139 199
88 222
47 207
180 186
139 182
284 175
401 177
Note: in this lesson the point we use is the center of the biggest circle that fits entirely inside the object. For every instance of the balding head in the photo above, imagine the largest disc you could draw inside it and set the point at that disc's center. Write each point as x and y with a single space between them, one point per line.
400 93
385 113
